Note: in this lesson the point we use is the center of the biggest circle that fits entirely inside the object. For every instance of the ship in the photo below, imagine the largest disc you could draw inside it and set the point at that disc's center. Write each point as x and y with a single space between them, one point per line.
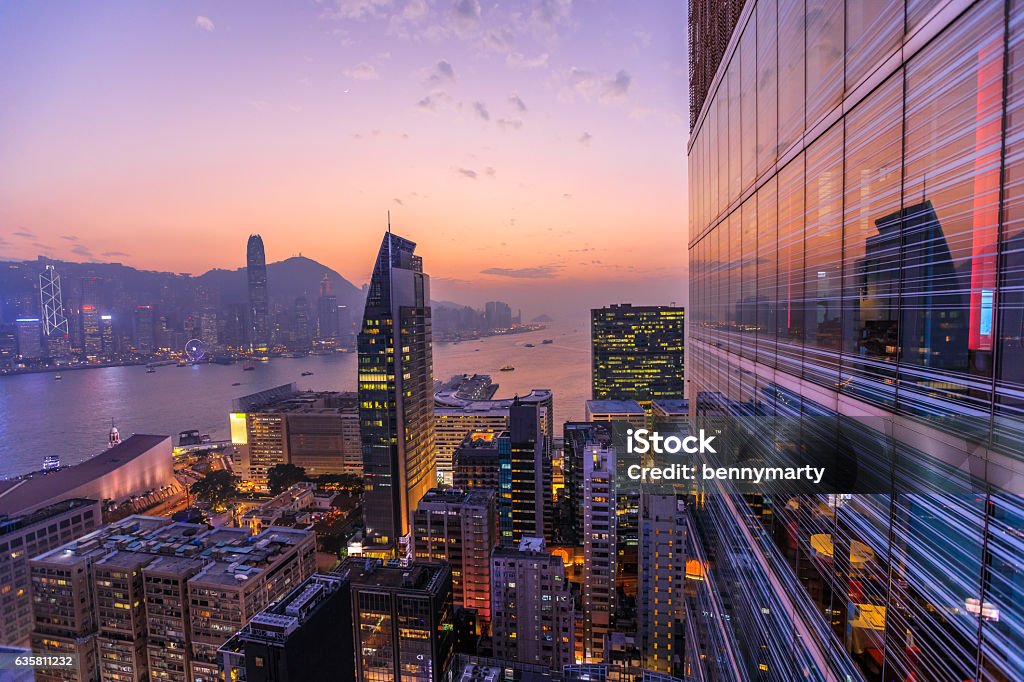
307 374
547 341
508 368
248 368
57 377
530 345
150 370
51 462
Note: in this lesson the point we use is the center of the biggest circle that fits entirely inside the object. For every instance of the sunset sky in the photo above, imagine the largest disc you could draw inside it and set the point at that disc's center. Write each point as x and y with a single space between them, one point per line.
535 151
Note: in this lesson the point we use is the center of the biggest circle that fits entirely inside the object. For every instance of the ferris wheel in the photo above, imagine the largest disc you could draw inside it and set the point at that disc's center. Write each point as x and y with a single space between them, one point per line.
195 350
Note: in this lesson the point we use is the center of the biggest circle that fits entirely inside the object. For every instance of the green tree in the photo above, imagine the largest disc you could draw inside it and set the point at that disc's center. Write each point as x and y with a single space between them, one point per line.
283 476
216 489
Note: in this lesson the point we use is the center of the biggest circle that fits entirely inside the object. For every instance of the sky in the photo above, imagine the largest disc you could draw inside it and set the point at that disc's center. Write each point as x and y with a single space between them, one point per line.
535 150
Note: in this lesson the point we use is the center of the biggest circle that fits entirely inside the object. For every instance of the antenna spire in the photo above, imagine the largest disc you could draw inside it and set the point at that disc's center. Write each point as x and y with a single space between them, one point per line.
389 221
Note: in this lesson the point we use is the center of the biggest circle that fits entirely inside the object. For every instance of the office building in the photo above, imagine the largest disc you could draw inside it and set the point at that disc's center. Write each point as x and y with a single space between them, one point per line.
533 613
302 327
259 302
477 462
327 313
396 387
30 338
660 601
628 411
307 635
600 548
144 328
90 332
525 497
854 257
670 416
637 352
401 620
467 404
460 527
148 597
26 535
498 315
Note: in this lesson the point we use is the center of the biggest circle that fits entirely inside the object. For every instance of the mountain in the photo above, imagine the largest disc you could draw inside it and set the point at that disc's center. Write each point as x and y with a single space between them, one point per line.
286 281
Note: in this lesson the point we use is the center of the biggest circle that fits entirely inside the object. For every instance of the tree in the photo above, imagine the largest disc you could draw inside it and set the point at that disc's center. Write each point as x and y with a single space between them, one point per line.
283 476
216 488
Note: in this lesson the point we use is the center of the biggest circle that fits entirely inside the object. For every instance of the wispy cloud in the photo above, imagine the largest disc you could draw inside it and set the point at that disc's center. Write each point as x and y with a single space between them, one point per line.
585 139
25 234
205 23
357 9
442 72
70 238
115 254
363 71
467 14
590 85
509 124
467 173
617 88
539 272
481 110
82 250
517 60
517 101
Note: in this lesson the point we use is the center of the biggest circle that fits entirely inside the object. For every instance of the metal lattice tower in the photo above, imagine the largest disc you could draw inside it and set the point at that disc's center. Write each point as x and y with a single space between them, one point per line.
50 300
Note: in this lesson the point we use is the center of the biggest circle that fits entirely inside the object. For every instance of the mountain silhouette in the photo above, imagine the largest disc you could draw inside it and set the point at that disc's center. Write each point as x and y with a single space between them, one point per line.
286 281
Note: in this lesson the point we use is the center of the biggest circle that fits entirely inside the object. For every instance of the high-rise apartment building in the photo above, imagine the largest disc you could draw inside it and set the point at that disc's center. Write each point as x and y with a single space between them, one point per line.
24 536
30 338
660 600
396 387
532 607
259 302
854 258
148 597
628 411
460 527
525 495
477 462
600 549
637 352
401 620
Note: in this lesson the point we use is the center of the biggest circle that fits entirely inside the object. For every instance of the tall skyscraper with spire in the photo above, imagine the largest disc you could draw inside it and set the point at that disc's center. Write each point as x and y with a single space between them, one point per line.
396 405
256 269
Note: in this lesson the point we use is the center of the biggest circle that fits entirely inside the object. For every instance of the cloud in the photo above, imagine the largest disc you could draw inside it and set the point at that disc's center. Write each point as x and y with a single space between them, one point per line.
467 173
490 171
542 271
362 72
25 234
517 102
115 254
481 110
205 23
616 88
500 40
358 9
585 139
467 14
260 105
516 60
442 72
509 124
82 250
70 238
398 201
428 103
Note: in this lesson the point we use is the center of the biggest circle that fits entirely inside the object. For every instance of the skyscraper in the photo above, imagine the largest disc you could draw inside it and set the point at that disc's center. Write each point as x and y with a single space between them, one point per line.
660 600
525 502
395 388
303 333
55 322
91 328
600 551
854 176
327 313
637 353
259 314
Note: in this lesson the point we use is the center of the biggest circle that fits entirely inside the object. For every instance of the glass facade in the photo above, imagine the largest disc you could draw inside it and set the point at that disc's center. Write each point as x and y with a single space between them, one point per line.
857 214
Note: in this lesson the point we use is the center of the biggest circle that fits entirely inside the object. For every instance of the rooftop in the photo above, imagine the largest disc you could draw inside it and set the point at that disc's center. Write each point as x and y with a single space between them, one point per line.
672 407
453 400
420 576
476 497
614 407
26 493
11 524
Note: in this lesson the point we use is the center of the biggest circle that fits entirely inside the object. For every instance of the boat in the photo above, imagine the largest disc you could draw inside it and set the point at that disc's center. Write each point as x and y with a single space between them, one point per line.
248 368
237 383
51 462
182 363
547 341
307 374
150 370
57 377
530 345
508 368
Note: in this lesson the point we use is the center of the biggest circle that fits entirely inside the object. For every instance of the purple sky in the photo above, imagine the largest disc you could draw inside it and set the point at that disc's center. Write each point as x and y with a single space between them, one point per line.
532 149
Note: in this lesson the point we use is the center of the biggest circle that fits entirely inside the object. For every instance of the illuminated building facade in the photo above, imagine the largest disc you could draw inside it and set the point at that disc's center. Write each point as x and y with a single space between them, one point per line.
600 551
30 338
525 495
857 206
637 352
396 393
401 620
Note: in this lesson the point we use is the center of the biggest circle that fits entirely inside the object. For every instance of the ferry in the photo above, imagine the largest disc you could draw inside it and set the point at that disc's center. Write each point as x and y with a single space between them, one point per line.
57 377
237 383
248 368
307 374
150 370
530 345
51 462
547 341
508 368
